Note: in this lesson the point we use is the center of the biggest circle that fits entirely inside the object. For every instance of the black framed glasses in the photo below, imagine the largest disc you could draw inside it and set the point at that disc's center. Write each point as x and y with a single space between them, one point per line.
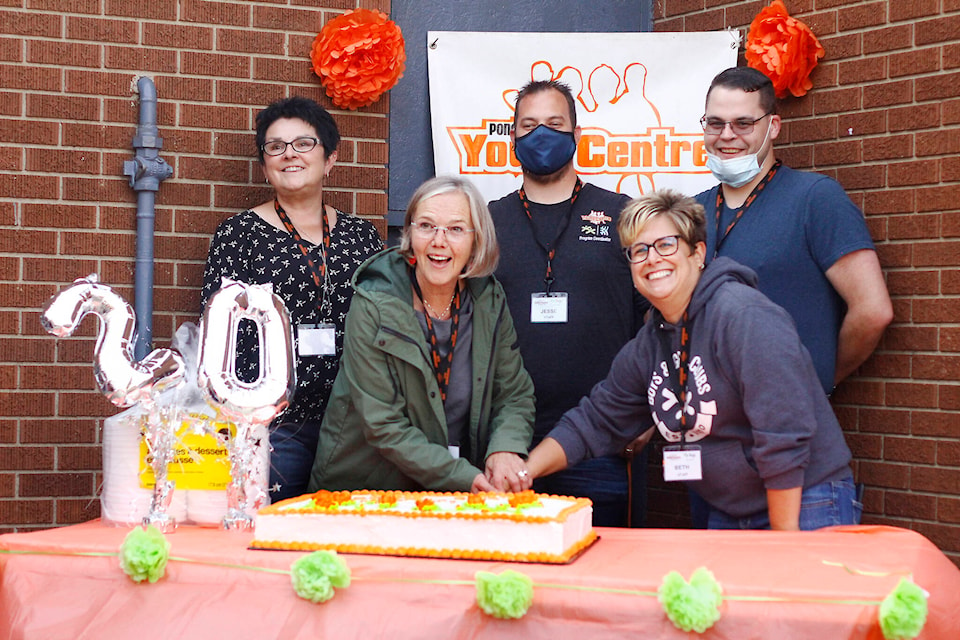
665 246
300 145
740 126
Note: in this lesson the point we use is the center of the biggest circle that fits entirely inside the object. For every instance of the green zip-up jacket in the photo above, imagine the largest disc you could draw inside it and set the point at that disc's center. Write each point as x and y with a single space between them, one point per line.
385 427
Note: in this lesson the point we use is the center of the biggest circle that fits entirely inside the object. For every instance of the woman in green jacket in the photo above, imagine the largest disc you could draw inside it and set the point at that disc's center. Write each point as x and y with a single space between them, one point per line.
432 393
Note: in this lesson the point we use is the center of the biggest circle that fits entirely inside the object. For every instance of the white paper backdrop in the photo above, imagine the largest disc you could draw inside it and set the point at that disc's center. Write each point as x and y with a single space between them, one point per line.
640 98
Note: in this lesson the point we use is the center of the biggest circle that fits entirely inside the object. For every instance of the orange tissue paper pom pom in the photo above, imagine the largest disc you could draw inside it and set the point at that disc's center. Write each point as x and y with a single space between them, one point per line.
358 56
783 48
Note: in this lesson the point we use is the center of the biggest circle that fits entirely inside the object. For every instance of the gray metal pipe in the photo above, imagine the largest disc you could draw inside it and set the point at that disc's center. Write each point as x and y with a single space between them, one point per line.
146 171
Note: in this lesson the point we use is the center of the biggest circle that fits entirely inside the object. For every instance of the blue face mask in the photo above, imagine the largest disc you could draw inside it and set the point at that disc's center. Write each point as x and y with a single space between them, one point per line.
735 172
544 150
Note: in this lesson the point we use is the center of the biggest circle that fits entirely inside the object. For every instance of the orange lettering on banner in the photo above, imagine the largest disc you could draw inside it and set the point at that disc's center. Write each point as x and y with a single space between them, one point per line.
618 154
497 152
699 154
641 154
487 150
473 146
585 157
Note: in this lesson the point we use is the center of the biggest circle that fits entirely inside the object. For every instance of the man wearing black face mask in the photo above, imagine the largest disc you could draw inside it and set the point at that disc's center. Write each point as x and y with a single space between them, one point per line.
569 289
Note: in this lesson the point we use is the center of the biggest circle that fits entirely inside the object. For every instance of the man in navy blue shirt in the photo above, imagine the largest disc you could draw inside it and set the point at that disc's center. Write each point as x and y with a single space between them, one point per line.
807 241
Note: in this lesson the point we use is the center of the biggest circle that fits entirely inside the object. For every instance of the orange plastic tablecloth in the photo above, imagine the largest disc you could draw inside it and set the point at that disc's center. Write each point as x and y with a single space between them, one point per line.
63 596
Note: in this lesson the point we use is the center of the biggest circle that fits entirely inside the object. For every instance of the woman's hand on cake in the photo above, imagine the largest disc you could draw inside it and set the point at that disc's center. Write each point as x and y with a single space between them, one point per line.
508 472
480 483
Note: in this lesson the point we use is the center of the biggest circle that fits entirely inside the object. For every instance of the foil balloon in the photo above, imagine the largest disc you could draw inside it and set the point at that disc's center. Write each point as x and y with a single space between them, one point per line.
119 377
250 405
123 380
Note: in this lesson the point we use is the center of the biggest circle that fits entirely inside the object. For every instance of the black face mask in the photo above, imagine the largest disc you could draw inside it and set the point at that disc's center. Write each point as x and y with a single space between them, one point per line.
544 150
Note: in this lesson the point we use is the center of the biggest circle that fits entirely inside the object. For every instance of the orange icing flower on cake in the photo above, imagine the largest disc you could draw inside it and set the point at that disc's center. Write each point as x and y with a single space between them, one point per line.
358 56
329 499
523 498
783 48
477 499
388 499
425 503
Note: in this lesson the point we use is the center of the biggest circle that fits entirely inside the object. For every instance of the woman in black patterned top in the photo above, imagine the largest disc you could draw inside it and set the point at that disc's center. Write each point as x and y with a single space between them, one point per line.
309 258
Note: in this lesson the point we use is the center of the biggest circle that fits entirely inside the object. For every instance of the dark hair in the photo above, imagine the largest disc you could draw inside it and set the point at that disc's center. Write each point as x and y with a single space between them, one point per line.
538 86
747 79
300 108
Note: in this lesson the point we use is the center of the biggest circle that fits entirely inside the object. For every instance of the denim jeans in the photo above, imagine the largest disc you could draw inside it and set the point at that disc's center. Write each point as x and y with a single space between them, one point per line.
822 505
294 446
603 480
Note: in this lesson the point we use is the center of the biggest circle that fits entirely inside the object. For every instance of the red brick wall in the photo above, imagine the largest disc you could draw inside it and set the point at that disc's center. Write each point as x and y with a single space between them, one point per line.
883 118
68 111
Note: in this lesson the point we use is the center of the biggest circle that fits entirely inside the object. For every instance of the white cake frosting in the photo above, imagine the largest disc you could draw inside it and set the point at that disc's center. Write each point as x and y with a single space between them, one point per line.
534 528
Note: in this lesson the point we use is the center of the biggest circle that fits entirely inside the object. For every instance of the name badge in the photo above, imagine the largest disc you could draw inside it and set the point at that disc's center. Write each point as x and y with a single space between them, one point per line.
317 339
548 307
454 450
682 464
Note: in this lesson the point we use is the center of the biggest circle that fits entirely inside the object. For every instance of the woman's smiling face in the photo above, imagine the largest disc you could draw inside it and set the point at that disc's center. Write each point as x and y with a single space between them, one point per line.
441 257
292 171
667 281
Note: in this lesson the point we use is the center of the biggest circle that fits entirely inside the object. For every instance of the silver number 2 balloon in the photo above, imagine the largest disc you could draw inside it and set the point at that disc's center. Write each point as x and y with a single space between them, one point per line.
123 380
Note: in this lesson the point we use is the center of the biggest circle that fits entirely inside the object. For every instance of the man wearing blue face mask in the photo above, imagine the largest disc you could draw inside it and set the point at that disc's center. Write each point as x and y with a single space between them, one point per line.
807 241
568 288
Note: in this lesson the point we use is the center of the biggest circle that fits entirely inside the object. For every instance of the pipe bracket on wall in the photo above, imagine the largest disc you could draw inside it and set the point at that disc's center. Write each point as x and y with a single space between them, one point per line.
146 171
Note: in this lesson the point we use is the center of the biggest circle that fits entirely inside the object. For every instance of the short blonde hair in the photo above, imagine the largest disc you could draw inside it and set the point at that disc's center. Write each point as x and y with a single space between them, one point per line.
684 212
485 253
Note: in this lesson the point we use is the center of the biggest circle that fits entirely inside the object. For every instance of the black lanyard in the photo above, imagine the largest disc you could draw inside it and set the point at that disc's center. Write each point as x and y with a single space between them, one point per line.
679 374
550 248
318 273
743 208
441 366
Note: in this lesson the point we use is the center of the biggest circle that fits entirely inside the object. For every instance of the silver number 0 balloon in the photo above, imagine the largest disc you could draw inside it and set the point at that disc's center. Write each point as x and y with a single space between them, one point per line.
261 400
251 405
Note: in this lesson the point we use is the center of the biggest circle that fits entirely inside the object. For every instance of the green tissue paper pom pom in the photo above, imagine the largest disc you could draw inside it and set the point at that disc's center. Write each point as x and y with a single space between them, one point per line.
693 606
903 612
506 596
144 553
314 576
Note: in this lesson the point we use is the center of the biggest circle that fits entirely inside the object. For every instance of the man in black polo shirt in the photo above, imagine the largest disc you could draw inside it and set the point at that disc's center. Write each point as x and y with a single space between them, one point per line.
569 289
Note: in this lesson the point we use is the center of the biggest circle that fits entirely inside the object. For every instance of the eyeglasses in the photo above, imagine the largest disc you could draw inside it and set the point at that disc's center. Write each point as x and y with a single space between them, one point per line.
665 246
279 147
426 231
740 126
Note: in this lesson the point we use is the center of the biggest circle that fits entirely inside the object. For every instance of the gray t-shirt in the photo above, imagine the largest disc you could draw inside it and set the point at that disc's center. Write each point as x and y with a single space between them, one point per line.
457 405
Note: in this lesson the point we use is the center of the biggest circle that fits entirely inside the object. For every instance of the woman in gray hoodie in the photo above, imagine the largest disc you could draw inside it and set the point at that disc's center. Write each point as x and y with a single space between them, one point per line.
720 372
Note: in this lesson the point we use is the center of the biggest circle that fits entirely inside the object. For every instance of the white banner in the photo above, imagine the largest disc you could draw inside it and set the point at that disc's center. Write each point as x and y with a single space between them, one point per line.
639 98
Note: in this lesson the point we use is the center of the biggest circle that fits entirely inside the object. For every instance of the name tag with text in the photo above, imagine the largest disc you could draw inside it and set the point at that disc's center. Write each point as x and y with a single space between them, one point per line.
548 307
682 464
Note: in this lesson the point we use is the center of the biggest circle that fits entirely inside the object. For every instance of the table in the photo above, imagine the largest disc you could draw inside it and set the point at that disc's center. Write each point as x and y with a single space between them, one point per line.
70 596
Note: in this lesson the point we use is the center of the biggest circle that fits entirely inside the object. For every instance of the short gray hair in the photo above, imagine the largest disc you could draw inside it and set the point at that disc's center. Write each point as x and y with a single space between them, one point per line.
485 253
